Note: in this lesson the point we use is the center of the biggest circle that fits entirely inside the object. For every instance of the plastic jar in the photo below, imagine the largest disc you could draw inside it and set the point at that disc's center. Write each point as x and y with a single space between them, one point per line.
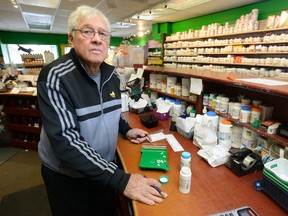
171 103
218 100
236 110
210 115
225 133
224 105
237 136
177 108
185 180
192 113
185 159
245 101
164 87
213 102
245 114
255 114
211 95
205 99
178 89
230 108
249 139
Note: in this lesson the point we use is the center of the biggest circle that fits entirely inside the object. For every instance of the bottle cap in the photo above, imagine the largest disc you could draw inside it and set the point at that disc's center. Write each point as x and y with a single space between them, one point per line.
211 113
163 179
186 155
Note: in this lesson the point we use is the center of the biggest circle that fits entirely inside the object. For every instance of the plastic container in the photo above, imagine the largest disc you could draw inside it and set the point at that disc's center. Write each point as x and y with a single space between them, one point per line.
177 108
192 113
225 133
218 100
249 139
185 159
178 89
205 99
185 180
237 136
245 114
236 110
171 82
255 114
210 115
224 104
279 168
211 95
230 108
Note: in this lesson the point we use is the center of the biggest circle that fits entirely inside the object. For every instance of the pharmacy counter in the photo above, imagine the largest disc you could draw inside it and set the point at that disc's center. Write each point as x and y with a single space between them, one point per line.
213 190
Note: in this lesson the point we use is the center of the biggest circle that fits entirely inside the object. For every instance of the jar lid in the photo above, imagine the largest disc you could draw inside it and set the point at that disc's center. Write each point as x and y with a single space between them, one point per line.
226 122
211 113
163 179
246 108
186 155
255 109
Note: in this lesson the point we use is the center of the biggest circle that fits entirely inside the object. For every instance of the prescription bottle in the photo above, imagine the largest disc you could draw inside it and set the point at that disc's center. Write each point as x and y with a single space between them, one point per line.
185 180
245 114
185 159
192 113
205 99
255 114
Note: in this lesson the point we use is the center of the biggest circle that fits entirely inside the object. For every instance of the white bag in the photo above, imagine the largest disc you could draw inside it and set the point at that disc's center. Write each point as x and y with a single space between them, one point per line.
215 156
205 136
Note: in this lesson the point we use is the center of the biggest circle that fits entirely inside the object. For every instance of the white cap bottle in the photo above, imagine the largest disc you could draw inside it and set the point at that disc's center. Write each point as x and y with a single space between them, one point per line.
185 180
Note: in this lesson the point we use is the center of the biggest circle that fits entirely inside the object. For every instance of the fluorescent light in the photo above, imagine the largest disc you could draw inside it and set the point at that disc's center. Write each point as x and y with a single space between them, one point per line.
38 21
41 3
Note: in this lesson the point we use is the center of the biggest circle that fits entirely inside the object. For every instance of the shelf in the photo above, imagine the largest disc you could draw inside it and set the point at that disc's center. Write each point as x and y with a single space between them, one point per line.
232 64
25 144
24 128
281 140
224 45
22 112
173 96
229 35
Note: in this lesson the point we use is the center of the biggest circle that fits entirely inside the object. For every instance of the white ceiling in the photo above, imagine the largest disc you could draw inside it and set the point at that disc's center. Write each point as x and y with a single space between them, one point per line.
121 11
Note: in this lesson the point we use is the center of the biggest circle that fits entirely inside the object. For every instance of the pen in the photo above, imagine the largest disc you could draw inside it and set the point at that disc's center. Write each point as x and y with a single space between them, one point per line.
157 189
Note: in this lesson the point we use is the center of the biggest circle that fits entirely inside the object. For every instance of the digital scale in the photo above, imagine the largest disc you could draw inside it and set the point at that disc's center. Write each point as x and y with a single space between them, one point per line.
242 211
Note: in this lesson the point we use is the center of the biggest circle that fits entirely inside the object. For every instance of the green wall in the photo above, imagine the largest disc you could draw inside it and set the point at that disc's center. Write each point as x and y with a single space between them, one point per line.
7 37
266 8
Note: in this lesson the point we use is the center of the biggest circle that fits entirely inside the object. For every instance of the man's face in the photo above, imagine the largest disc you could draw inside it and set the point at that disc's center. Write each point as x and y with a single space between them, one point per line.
94 50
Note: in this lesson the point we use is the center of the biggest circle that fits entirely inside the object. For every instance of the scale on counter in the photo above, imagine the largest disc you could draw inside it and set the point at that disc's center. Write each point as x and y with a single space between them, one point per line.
242 211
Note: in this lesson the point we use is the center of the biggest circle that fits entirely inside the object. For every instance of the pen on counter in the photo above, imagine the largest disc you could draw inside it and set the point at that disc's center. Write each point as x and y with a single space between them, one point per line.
164 195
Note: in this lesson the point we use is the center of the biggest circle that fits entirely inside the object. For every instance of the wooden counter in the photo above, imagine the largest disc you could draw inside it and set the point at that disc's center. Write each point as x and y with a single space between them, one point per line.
212 189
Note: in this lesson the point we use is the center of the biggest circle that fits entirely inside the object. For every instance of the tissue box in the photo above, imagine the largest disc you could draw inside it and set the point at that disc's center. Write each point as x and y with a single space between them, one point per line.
161 116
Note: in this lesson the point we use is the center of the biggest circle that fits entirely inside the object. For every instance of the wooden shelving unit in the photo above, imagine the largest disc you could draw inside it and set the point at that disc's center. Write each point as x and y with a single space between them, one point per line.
23 119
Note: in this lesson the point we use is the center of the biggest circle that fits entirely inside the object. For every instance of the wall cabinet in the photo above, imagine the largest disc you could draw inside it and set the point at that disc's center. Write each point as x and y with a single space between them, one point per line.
23 119
156 50
245 52
228 84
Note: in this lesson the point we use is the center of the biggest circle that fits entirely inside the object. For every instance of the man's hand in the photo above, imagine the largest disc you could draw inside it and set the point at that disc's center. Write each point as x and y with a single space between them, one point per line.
136 135
142 189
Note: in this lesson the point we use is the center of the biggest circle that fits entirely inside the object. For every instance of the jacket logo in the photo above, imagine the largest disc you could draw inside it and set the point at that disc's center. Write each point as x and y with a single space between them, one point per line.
112 94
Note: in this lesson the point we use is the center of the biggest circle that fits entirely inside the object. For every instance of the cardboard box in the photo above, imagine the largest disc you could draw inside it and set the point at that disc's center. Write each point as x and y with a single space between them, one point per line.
266 111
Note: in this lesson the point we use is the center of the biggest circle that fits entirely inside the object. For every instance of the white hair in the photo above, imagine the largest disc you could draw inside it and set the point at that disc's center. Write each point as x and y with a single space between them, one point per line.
85 11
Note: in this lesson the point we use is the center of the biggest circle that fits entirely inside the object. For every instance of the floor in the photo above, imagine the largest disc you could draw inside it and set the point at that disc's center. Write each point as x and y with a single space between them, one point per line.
22 192
21 186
